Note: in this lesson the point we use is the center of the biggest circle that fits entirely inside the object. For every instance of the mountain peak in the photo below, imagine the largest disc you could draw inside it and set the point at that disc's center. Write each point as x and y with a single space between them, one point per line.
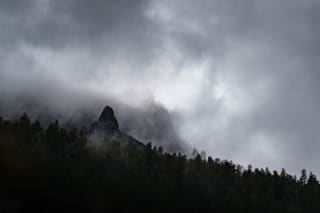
107 128
107 117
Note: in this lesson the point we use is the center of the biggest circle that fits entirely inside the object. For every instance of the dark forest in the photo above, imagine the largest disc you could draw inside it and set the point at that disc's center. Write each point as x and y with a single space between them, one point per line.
52 169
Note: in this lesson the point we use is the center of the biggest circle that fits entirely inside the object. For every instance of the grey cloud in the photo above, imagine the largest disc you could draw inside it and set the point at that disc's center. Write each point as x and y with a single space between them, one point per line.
39 35
266 56
62 24
155 124
239 79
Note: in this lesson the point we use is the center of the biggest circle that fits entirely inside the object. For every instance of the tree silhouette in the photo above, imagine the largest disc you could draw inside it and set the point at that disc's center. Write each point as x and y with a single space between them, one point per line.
56 170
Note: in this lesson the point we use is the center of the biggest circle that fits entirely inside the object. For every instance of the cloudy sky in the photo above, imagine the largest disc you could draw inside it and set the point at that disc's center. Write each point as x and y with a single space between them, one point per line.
239 79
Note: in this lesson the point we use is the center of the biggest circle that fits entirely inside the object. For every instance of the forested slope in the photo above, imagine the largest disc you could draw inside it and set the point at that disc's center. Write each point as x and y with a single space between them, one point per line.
56 170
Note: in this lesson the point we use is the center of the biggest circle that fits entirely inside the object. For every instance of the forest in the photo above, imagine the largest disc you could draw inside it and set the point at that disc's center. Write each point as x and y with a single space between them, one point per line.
53 169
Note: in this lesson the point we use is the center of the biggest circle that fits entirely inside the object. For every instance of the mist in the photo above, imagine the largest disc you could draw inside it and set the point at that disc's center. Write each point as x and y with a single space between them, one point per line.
238 80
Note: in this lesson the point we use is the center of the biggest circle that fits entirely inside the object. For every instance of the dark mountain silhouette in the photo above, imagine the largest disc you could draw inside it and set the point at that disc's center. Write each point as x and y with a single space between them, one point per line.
107 117
151 122
107 129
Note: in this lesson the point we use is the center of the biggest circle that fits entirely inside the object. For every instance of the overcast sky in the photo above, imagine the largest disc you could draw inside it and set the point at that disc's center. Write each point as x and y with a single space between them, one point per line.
238 79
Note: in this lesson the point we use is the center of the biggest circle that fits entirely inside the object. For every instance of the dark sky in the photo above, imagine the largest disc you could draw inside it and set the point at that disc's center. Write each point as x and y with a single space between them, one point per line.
239 79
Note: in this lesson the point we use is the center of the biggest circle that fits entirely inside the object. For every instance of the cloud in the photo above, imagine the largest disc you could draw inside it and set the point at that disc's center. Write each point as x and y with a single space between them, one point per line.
259 96
238 79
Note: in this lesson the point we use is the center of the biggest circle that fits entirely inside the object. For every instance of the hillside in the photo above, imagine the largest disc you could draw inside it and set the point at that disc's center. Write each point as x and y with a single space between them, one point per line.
104 170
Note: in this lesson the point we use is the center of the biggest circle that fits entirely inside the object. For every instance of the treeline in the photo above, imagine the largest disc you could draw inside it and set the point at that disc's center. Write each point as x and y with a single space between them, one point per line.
56 170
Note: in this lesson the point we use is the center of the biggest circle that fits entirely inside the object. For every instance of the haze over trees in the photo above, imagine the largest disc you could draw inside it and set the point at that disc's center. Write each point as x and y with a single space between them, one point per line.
55 170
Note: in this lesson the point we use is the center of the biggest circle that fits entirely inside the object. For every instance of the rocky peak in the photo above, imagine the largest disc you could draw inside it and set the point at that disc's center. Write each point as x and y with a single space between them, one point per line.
107 129
108 118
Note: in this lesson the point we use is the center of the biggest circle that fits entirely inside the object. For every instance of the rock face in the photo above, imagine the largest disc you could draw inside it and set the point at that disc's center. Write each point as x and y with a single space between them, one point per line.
108 119
107 129
106 125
